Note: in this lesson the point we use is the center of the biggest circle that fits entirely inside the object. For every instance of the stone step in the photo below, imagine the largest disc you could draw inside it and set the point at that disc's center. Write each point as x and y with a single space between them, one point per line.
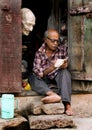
81 124
16 123
81 104
48 109
50 121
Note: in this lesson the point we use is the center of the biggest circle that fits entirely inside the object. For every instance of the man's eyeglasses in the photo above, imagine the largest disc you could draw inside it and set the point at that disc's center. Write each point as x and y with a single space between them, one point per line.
53 40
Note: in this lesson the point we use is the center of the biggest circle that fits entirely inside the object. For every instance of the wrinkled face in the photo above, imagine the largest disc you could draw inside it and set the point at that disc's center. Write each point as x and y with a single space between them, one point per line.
28 21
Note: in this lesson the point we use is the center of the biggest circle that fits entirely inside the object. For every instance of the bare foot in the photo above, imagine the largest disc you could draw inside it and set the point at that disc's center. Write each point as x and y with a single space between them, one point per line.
51 99
68 110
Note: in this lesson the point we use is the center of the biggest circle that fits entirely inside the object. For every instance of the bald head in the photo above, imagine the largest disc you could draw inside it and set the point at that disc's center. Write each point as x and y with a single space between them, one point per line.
28 20
50 32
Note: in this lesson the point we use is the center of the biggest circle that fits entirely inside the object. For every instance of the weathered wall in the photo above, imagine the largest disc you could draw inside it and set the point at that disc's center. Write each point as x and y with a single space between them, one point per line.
10 46
80 44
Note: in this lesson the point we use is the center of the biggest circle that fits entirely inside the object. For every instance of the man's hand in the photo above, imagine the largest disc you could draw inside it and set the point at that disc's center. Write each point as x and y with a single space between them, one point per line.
61 63
64 65
58 63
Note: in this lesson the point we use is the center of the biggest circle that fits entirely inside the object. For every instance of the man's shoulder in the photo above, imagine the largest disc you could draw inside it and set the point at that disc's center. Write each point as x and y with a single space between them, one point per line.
42 48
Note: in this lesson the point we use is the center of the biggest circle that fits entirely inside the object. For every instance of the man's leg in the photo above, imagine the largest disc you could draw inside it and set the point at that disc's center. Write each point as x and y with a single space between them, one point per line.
38 84
63 80
41 87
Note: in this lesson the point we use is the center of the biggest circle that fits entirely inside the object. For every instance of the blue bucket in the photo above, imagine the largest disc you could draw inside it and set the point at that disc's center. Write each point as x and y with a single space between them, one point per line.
7 106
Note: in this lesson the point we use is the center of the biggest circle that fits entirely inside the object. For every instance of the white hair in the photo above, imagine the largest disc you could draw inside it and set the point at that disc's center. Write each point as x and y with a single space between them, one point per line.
25 11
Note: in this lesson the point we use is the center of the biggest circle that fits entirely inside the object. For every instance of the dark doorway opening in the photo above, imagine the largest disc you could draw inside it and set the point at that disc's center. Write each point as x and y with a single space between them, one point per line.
33 41
42 10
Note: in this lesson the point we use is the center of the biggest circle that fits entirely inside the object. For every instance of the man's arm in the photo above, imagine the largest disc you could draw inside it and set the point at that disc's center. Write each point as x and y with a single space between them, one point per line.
49 70
52 67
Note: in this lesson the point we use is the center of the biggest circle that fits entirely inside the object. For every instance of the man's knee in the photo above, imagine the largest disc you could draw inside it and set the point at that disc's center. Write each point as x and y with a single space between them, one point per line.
64 73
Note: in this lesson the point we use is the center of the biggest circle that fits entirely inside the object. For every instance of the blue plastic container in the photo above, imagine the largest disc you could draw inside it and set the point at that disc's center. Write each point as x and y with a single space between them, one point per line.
7 106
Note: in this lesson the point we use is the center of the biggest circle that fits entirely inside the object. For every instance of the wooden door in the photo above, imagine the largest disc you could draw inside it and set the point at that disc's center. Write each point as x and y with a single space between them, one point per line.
80 39
10 46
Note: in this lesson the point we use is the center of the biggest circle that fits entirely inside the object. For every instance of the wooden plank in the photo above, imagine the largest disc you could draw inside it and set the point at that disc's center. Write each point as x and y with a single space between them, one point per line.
88 45
10 46
81 76
75 43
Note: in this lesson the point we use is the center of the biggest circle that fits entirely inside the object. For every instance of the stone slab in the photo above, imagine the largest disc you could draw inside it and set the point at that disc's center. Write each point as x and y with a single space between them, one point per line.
13 123
51 108
81 124
50 121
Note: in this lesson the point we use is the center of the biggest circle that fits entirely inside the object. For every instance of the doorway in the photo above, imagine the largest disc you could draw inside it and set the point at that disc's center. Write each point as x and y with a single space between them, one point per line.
41 10
50 13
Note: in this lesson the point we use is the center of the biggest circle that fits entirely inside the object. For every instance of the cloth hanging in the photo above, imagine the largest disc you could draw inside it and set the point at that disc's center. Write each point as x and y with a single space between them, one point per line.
51 21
